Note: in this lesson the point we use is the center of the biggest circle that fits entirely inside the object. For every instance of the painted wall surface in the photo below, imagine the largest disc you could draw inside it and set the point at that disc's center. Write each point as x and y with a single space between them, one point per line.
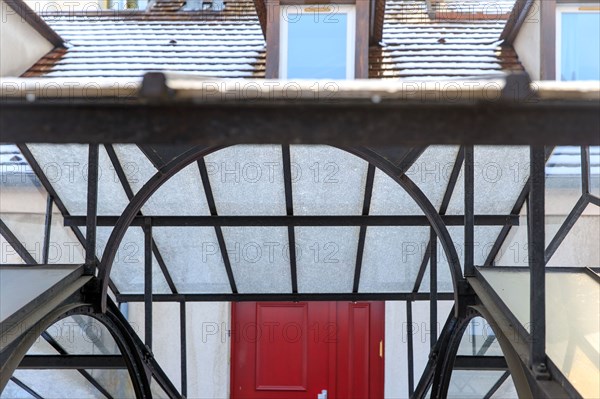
527 42
21 46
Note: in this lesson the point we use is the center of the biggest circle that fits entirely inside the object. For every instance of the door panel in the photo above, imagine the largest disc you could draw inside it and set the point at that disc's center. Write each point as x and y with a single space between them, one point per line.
284 350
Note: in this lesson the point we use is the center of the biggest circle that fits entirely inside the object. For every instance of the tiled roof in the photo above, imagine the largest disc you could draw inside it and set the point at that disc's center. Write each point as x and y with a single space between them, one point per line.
230 44
226 44
417 46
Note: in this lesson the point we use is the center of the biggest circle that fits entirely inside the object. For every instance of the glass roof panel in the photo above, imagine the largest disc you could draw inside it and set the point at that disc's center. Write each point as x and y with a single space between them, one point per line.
29 230
183 194
500 174
479 340
8 255
326 258
64 246
514 249
157 391
580 247
66 167
485 236
473 384
117 382
21 285
247 180
259 258
128 267
432 170
193 258
327 181
13 391
23 207
392 257
83 335
563 187
389 198
572 319
52 384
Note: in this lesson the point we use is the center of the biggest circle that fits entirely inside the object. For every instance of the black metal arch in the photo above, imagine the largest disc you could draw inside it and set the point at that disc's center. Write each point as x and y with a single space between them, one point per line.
135 361
198 152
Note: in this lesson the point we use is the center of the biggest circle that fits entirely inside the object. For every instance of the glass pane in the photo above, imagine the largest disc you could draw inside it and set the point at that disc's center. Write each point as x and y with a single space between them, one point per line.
317 42
83 335
157 391
572 328
20 285
66 167
53 384
595 171
563 187
116 382
14 391
580 46
327 181
472 384
22 200
485 236
260 259
247 180
392 258
479 340
183 194
193 258
8 255
580 247
128 267
514 249
64 246
389 198
506 391
431 171
326 258
500 175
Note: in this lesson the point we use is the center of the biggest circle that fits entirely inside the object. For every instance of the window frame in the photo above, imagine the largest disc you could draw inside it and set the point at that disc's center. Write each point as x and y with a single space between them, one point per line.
561 8
362 33
348 9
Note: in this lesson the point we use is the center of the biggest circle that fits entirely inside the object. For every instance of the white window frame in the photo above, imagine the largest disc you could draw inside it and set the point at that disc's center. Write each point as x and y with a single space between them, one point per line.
580 8
349 10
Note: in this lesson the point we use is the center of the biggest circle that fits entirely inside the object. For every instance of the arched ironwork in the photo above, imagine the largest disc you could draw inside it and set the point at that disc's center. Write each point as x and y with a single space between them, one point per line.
135 361
194 154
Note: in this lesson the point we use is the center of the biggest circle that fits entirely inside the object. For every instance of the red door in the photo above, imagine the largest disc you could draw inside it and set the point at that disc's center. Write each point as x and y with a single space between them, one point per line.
287 350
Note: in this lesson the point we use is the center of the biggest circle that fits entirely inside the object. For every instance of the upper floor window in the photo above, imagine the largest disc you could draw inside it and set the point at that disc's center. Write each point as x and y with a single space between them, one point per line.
127 4
578 42
317 42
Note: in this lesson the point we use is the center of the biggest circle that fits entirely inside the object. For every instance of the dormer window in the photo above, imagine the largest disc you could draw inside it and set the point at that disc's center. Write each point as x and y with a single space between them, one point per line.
578 42
127 4
318 39
317 42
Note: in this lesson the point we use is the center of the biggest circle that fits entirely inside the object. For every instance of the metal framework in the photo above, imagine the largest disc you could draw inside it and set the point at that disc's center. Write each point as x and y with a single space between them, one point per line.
467 124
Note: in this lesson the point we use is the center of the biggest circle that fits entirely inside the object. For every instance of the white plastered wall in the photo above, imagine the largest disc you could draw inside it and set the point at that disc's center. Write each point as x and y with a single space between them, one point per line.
527 42
21 45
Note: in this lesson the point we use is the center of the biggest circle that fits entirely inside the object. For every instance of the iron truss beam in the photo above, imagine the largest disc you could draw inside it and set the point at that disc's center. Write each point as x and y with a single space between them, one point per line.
343 125
296 220
386 296
480 363
343 113
76 362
